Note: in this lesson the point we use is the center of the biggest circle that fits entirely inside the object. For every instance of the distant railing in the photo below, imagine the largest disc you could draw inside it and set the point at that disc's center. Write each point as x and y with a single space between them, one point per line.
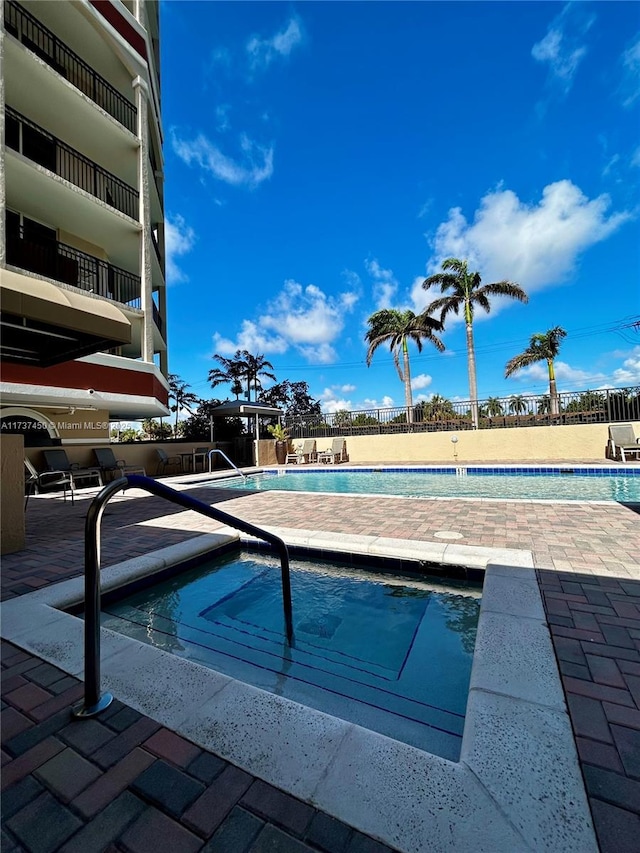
66 264
68 64
439 414
42 147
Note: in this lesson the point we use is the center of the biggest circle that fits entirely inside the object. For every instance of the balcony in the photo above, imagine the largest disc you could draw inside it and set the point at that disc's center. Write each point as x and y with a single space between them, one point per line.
68 265
41 147
41 41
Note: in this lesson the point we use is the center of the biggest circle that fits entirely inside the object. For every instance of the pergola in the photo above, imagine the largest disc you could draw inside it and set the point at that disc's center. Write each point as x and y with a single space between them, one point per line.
243 409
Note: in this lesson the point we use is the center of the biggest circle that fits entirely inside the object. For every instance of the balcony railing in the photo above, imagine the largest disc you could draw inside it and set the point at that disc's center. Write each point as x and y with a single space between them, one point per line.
63 263
42 147
440 414
55 53
157 319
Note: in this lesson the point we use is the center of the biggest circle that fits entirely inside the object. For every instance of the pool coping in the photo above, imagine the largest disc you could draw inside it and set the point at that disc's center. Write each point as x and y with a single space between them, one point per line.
517 785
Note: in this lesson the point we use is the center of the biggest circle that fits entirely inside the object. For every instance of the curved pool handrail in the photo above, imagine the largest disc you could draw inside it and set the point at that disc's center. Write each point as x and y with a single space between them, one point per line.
93 701
225 457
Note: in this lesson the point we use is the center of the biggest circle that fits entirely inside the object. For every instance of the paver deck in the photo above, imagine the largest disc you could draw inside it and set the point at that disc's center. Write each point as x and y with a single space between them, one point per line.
122 782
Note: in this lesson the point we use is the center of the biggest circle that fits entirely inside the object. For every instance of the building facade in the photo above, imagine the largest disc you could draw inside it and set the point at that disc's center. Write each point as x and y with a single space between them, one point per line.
82 273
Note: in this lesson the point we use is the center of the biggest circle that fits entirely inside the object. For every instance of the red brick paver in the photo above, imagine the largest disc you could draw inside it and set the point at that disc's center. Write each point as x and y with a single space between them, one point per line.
587 557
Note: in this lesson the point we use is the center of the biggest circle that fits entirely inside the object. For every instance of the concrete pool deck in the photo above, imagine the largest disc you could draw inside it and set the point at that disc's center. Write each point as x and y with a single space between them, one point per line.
137 525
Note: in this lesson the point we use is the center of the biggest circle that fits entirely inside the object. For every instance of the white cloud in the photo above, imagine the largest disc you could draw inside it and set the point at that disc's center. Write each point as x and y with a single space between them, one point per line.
329 402
385 284
629 373
179 239
536 245
262 51
423 380
346 389
251 338
369 403
631 70
254 166
561 48
302 317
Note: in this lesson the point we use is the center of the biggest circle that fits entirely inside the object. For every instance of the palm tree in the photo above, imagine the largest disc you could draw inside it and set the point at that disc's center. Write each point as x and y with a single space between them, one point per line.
542 347
517 404
493 407
182 397
255 367
397 328
231 370
466 292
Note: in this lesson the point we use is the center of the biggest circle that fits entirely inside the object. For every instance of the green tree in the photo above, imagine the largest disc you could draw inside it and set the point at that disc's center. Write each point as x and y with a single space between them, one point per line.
182 397
438 408
542 347
153 429
231 371
493 407
464 291
397 328
518 404
590 401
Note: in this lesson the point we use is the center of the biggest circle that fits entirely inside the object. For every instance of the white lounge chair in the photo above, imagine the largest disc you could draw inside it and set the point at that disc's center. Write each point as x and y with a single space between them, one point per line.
623 442
306 452
336 453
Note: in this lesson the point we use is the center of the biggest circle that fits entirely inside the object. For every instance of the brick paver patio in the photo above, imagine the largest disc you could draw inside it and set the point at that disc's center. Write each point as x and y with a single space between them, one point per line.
122 782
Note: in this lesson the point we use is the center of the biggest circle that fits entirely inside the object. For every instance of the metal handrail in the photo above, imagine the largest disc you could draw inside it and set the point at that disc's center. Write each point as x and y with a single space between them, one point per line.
225 457
94 703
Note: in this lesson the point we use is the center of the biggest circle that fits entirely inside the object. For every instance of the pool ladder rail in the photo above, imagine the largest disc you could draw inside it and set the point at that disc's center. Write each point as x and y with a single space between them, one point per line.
94 703
226 458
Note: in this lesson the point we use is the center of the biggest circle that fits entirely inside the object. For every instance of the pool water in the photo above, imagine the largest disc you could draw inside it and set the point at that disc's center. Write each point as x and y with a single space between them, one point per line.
389 652
418 483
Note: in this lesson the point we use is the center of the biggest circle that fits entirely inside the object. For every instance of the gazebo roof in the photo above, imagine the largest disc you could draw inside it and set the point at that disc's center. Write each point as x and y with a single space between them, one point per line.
244 409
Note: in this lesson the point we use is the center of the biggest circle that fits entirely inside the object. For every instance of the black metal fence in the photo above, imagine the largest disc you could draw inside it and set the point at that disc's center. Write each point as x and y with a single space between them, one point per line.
64 263
41 41
42 147
440 414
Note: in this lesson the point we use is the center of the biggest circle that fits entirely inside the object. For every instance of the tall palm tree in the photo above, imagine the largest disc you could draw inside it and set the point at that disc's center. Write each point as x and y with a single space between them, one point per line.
397 328
255 367
182 397
231 370
542 347
464 290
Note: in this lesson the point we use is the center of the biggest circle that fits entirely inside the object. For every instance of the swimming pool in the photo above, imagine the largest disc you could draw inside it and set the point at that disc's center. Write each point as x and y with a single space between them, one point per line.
574 484
389 652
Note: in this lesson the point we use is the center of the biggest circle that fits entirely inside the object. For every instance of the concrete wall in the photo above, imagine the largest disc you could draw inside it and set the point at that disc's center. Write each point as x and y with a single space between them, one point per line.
12 493
580 443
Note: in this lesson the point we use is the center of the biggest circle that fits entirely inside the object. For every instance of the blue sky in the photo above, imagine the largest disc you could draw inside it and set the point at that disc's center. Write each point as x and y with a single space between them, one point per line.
322 159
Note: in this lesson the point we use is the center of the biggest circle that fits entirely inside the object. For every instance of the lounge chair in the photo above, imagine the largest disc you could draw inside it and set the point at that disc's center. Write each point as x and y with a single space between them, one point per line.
336 453
35 483
57 461
113 467
164 461
623 442
306 452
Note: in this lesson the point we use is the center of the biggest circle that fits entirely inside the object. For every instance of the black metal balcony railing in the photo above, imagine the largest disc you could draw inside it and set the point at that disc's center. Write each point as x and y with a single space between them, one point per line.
157 319
55 53
42 147
63 263
440 414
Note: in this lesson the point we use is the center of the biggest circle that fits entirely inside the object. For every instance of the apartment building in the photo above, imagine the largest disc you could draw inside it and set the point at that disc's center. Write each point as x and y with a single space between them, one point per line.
82 281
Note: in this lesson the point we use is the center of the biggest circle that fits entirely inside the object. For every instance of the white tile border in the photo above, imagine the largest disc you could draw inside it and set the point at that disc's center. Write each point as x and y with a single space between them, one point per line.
517 786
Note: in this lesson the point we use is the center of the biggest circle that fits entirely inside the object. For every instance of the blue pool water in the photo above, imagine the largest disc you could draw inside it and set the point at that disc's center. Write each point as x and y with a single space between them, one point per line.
388 652
525 484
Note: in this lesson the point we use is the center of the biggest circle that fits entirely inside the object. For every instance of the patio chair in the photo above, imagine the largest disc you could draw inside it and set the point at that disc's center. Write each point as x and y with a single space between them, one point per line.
57 461
165 461
200 454
336 453
108 464
623 442
35 482
306 452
